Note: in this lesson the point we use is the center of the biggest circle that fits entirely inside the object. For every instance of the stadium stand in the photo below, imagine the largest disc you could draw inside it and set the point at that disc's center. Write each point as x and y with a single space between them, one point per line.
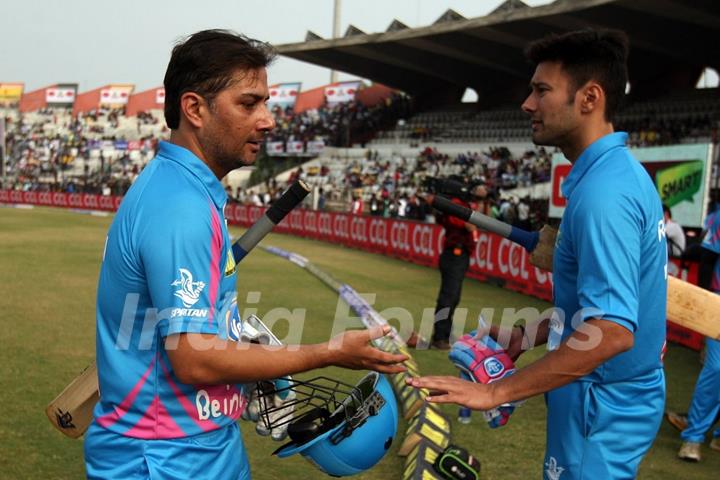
424 131
49 149
691 116
339 125
100 151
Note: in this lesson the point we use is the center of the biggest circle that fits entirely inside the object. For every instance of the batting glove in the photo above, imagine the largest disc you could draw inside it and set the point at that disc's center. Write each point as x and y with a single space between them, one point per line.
482 360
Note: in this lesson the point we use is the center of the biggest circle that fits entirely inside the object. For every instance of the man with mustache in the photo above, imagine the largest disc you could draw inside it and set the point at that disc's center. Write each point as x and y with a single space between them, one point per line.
170 378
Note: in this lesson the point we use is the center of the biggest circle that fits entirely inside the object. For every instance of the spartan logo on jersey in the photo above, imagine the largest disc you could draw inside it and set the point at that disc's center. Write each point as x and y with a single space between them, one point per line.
189 291
553 471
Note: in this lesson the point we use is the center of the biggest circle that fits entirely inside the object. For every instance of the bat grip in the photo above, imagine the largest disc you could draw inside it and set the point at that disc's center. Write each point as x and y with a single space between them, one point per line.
274 215
289 200
527 240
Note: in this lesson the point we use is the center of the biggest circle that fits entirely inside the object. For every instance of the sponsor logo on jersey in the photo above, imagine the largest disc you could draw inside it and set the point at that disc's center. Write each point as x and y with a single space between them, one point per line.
212 403
189 312
230 265
234 323
662 232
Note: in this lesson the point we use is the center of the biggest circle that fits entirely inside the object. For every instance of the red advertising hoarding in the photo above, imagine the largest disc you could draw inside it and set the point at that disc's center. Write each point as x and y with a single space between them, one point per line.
494 258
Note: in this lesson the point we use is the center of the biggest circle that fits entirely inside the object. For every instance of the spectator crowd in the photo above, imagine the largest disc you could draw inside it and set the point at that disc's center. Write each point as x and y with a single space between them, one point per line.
103 151
50 150
339 125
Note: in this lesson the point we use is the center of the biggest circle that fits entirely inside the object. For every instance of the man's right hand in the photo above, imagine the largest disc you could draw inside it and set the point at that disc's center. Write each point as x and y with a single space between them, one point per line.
205 359
352 350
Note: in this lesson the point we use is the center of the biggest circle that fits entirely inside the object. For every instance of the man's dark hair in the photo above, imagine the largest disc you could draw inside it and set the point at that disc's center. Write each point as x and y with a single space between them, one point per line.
205 63
599 55
666 209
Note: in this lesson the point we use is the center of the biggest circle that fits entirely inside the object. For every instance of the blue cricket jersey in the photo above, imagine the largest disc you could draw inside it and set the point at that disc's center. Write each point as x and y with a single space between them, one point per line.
705 405
610 258
711 241
167 269
610 262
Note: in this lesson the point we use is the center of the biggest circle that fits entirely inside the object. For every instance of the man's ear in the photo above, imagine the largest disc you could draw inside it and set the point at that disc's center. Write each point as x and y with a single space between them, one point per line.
592 97
193 107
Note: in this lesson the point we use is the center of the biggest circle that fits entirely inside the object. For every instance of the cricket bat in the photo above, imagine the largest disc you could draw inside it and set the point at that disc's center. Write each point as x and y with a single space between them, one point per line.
71 412
687 305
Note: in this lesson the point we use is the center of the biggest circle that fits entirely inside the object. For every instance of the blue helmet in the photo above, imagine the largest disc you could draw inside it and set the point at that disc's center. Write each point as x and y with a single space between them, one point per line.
351 438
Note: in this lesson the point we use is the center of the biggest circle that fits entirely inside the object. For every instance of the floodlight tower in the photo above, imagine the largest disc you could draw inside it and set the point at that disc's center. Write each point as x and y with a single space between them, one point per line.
335 33
2 151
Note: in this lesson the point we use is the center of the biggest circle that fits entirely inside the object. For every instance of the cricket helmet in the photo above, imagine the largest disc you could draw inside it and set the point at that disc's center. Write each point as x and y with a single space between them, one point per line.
342 437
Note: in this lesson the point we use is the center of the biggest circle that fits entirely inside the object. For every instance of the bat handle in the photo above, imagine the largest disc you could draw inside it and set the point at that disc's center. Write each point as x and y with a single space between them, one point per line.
451 208
527 240
289 200
274 215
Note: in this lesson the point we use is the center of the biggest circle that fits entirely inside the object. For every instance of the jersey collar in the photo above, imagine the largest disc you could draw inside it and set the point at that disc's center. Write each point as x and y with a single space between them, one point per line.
188 160
591 154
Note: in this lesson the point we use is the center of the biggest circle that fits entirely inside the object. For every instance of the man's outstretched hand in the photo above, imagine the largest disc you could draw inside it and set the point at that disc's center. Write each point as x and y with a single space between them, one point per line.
352 350
445 389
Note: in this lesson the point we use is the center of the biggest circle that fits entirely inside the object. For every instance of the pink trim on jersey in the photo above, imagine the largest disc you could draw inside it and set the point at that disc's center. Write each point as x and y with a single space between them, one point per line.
111 418
155 423
216 251
190 410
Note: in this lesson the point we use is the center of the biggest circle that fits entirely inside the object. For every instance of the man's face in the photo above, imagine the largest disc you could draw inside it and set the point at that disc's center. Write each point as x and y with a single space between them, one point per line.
551 105
238 121
480 192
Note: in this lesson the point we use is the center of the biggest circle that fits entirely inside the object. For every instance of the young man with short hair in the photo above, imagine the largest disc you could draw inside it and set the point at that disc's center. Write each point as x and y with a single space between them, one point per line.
602 378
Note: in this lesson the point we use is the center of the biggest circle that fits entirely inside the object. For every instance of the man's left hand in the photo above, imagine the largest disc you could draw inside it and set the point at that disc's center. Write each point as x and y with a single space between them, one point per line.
476 396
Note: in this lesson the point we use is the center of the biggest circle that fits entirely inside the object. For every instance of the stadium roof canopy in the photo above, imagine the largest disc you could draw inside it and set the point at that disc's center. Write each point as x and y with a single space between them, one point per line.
672 41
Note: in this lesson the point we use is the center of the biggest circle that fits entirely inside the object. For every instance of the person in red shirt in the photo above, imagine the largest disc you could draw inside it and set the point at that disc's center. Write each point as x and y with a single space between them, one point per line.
460 239
356 207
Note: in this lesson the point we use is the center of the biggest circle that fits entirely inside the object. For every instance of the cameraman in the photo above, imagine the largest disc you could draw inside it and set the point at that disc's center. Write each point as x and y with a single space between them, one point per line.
460 239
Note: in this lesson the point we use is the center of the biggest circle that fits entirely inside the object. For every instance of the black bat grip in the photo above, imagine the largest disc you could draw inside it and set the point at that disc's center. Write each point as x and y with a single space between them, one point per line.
451 208
289 200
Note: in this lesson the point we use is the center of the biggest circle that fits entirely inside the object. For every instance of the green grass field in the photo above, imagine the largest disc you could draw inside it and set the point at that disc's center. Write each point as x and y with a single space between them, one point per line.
49 262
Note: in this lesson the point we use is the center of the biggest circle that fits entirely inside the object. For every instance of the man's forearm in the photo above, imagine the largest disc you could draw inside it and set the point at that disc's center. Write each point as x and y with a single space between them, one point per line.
206 359
568 363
